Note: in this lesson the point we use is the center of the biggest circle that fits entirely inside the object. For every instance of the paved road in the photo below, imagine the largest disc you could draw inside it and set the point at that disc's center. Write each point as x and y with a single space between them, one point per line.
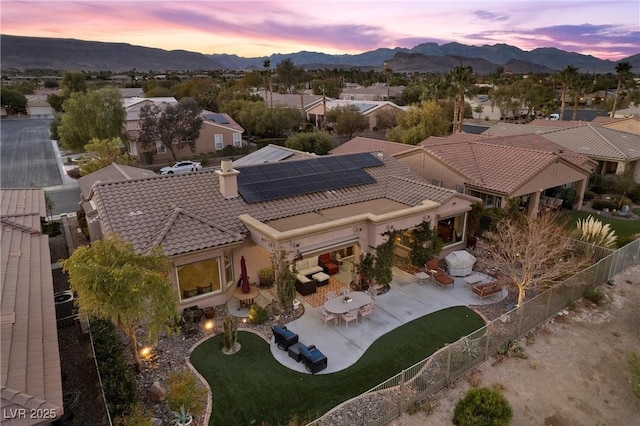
26 154
29 158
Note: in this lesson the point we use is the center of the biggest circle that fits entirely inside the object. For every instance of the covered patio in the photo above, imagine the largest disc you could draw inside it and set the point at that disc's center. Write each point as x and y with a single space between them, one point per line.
406 301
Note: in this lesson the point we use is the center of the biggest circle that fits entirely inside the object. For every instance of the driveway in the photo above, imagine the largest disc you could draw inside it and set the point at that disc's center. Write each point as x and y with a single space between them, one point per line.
26 154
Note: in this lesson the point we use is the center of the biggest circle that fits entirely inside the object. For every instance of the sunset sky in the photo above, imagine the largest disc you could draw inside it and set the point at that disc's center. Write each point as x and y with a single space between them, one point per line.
607 29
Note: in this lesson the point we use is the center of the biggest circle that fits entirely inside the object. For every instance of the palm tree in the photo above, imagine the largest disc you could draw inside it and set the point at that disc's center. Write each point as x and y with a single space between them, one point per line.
567 76
267 68
461 78
623 69
580 86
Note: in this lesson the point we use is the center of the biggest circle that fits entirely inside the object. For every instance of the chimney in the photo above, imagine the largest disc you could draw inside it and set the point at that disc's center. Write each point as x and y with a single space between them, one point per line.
228 179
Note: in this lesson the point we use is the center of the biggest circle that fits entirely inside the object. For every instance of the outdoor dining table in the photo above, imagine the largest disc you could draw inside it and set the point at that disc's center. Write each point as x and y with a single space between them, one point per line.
338 305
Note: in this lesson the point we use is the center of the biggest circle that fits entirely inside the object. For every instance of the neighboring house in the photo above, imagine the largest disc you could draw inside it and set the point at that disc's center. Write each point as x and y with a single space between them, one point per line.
375 92
370 109
131 92
614 150
628 125
206 221
30 361
38 107
523 167
303 101
218 131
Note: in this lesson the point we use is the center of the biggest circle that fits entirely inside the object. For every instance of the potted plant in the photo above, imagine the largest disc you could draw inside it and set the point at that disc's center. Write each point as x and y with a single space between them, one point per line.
209 312
275 310
182 418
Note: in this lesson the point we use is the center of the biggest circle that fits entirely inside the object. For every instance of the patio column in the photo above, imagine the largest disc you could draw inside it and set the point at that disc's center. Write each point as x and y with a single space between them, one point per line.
534 203
580 189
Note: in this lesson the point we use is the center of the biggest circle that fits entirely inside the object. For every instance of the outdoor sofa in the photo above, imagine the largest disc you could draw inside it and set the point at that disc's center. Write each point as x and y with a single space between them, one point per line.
487 289
283 337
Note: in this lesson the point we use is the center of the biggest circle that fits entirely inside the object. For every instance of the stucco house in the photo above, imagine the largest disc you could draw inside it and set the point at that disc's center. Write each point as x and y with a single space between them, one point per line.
206 221
38 107
614 150
524 167
370 109
218 131
627 124
30 361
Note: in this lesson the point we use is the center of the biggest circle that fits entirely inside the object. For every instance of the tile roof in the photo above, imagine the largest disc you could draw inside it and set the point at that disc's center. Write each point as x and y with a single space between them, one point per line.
556 123
598 142
111 173
22 207
29 358
512 129
271 154
495 166
361 144
187 212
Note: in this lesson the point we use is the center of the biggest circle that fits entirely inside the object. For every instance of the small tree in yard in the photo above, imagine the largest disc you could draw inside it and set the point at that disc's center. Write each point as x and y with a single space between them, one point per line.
285 278
533 252
383 268
115 283
348 119
104 153
425 245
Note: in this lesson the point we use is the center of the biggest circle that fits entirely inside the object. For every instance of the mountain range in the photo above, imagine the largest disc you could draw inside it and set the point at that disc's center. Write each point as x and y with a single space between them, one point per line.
69 54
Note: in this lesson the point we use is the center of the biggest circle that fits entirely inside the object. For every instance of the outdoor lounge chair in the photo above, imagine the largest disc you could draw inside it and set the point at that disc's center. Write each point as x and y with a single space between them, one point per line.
313 359
487 289
283 337
327 264
438 274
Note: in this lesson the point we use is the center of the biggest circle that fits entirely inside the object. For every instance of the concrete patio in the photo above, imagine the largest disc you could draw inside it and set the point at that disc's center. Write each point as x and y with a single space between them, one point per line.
406 301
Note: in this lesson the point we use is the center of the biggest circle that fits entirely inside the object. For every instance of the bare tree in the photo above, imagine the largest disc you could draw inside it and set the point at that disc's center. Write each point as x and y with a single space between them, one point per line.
533 252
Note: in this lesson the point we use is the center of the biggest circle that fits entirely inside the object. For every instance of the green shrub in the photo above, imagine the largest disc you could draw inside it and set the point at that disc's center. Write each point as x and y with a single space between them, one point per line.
118 379
623 241
598 189
634 369
589 195
258 314
512 349
594 294
603 204
635 195
183 390
483 407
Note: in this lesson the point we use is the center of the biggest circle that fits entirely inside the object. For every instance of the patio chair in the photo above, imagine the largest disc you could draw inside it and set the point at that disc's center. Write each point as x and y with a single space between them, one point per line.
313 359
283 337
330 295
438 274
327 316
365 311
350 316
344 290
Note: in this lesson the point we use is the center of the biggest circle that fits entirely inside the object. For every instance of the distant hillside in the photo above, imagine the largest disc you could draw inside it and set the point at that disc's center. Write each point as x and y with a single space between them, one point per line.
53 53
70 54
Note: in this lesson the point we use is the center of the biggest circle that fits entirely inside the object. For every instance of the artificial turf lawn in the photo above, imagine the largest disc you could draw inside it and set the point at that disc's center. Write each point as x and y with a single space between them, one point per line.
622 227
251 387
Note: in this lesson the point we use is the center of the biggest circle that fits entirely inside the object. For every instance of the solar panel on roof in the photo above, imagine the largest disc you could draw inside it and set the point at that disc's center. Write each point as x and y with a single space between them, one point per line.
218 118
271 181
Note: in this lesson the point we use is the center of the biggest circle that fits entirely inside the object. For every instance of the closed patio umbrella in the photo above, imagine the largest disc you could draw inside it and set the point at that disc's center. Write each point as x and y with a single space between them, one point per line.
245 287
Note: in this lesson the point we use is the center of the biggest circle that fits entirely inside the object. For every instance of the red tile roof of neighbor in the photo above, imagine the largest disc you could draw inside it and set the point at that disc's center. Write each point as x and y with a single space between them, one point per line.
29 358
598 142
187 212
361 144
503 164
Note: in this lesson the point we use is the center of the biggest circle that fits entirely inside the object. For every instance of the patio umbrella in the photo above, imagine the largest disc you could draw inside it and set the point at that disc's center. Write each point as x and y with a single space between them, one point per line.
243 276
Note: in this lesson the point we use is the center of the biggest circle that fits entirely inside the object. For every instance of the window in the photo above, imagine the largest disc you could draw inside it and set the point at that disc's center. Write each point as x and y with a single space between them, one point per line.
218 141
237 140
160 148
436 182
228 268
199 278
133 148
460 189
450 229
405 238
488 199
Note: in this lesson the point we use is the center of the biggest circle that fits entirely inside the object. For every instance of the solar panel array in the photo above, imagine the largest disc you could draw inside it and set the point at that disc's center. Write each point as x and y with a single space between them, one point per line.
279 180
218 118
268 154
